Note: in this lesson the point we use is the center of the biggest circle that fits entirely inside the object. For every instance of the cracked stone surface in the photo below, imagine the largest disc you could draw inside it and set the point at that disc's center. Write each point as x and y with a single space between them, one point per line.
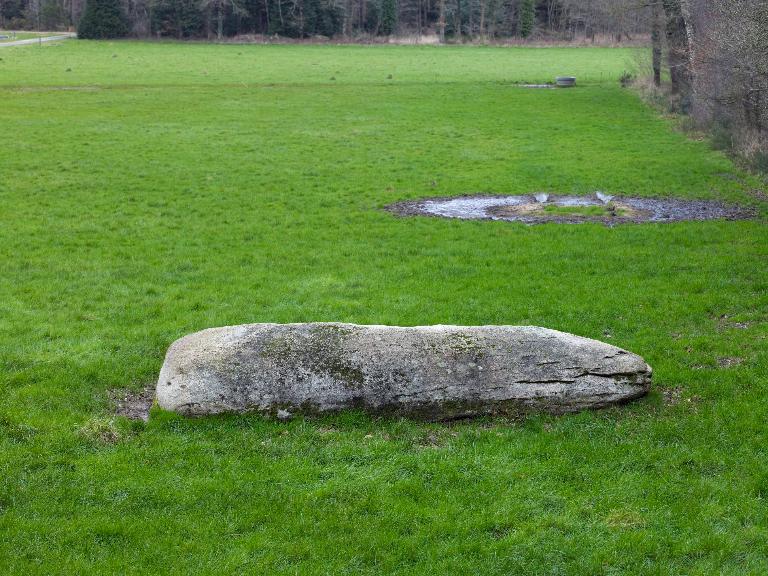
436 372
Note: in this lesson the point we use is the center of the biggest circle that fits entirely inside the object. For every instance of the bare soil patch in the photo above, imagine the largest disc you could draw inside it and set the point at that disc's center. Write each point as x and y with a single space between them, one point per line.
134 405
729 361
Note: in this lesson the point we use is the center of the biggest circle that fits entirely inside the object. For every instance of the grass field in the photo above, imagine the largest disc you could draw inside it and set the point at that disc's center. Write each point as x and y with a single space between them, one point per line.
150 190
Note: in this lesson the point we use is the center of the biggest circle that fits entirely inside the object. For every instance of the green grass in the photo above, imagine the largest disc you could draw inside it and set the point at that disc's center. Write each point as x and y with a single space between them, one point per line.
150 190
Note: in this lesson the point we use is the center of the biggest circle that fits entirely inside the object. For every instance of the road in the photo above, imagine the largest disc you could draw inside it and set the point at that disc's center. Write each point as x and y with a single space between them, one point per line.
38 40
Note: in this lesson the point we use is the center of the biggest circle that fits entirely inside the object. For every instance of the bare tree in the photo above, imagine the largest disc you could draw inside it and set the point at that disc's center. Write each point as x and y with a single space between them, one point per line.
730 62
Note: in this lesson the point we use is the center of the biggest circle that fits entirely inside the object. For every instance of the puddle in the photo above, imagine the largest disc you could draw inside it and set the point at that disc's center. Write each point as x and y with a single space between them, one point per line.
571 209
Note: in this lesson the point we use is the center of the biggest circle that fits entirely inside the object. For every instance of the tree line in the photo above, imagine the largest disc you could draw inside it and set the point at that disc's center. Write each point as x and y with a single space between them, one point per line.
448 20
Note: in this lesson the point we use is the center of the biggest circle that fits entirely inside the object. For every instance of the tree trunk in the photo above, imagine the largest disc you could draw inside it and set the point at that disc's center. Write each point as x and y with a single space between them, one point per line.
441 22
418 19
679 51
219 20
471 23
656 42
458 18
482 18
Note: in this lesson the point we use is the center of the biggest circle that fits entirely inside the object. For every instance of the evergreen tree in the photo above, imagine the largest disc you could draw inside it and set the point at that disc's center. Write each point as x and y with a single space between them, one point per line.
178 18
388 17
527 18
103 19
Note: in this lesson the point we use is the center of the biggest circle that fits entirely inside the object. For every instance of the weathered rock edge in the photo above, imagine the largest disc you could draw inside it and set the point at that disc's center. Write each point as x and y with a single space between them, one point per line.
436 372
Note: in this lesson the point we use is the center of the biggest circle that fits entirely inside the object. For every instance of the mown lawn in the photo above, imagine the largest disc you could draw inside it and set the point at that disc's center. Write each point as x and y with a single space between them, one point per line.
150 190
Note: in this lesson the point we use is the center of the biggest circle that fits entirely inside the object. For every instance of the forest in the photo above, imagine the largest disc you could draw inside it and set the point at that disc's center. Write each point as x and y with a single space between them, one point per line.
352 19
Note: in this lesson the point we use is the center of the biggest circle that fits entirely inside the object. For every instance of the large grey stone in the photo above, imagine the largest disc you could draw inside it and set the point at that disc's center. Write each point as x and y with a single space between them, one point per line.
430 371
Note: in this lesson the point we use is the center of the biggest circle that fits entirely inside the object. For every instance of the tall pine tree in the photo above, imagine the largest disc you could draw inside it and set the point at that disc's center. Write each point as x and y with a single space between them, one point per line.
103 19
526 18
388 17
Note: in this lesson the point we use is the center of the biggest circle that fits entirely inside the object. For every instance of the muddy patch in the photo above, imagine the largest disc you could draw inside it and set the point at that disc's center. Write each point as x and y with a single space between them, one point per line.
729 362
542 208
539 86
134 405
674 396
